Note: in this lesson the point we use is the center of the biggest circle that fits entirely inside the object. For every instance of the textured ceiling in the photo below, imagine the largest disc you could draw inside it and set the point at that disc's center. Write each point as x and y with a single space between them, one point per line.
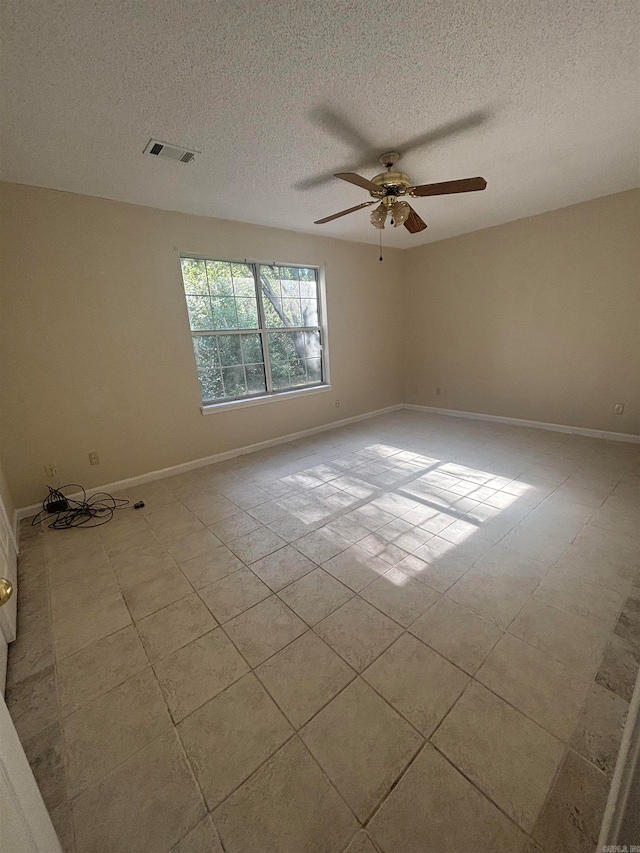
541 97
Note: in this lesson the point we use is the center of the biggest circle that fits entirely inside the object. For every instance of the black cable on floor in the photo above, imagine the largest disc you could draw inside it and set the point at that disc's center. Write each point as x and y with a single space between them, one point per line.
64 512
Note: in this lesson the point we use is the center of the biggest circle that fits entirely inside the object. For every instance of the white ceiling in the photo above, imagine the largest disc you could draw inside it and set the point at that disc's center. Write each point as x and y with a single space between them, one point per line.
549 89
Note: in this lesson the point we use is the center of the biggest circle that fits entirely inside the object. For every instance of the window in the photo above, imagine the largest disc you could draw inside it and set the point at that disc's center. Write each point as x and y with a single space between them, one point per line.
256 328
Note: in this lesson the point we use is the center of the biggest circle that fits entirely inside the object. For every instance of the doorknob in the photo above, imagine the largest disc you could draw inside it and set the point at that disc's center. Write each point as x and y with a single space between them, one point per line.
6 590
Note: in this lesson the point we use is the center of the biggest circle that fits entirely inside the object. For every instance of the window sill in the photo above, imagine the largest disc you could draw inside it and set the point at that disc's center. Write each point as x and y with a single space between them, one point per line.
268 398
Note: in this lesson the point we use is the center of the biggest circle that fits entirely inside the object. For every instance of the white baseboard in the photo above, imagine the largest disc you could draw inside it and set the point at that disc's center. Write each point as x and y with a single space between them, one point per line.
498 419
141 479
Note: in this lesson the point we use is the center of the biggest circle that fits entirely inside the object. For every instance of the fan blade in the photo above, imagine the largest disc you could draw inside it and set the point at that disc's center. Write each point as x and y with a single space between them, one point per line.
344 212
359 181
466 185
414 223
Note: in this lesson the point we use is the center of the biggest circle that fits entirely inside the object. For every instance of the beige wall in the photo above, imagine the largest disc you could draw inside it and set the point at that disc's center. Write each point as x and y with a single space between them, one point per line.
95 341
536 319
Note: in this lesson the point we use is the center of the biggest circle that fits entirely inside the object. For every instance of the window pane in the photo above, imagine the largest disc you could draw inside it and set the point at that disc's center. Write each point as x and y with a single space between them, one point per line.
220 281
234 382
224 313
297 372
287 352
243 283
309 312
229 347
194 276
289 282
255 379
199 308
312 344
314 370
251 349
247 310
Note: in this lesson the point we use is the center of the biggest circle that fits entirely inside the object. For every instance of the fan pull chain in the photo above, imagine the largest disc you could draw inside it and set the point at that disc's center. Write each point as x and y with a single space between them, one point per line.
380 258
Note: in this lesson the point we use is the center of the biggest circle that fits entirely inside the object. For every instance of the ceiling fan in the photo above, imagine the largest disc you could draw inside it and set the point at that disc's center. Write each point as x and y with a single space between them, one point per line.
388 187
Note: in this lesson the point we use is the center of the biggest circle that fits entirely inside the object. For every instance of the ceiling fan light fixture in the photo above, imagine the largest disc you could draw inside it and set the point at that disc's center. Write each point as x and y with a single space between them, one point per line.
379 216
400 213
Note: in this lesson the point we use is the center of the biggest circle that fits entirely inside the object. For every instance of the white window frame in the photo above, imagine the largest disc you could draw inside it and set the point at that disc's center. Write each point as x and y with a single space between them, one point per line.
271 394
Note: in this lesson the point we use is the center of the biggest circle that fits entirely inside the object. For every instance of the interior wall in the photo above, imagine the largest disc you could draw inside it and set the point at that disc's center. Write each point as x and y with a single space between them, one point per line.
96 348
537 319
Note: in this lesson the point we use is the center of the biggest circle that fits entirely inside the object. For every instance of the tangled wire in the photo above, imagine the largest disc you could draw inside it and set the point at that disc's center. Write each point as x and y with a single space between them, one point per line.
64 512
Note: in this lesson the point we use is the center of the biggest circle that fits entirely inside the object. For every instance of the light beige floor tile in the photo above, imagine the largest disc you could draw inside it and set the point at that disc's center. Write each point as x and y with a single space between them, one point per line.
264 629
510 758
453 815
75 629
256 545
203 838
417 681
356 568
322 545
84 592
348 528
542 688
192 546
440 573
210 566
573 594
99 667
234 594
536 544
282 568
358 632
231 736
599 730
77 567
288 805
567 638
573 814
168 585
174 521
496 599
196 673
400 597
315 596
362 745
461 635
175 626
104 733
304 676
504 563
208 506
235 526
145 806
141 563
362 843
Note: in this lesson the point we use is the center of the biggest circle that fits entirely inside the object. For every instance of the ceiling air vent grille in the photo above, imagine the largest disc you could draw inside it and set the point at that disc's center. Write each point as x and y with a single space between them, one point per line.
172 152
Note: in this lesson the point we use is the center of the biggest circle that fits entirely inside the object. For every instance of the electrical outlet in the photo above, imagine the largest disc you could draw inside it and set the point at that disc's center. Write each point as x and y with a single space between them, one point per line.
618 409
51 470
94 459
437 392
337 404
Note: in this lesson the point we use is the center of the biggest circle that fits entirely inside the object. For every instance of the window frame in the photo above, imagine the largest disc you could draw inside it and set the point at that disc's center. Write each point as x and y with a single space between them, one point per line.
271 393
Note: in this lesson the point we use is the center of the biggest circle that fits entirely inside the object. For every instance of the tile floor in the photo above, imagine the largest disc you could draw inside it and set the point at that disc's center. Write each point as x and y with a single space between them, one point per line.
412 634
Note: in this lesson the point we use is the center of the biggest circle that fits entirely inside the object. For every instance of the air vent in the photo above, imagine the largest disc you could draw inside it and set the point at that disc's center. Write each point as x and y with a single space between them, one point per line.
172 152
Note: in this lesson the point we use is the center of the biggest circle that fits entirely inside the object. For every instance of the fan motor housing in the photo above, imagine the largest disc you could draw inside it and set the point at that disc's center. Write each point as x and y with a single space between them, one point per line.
392 183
